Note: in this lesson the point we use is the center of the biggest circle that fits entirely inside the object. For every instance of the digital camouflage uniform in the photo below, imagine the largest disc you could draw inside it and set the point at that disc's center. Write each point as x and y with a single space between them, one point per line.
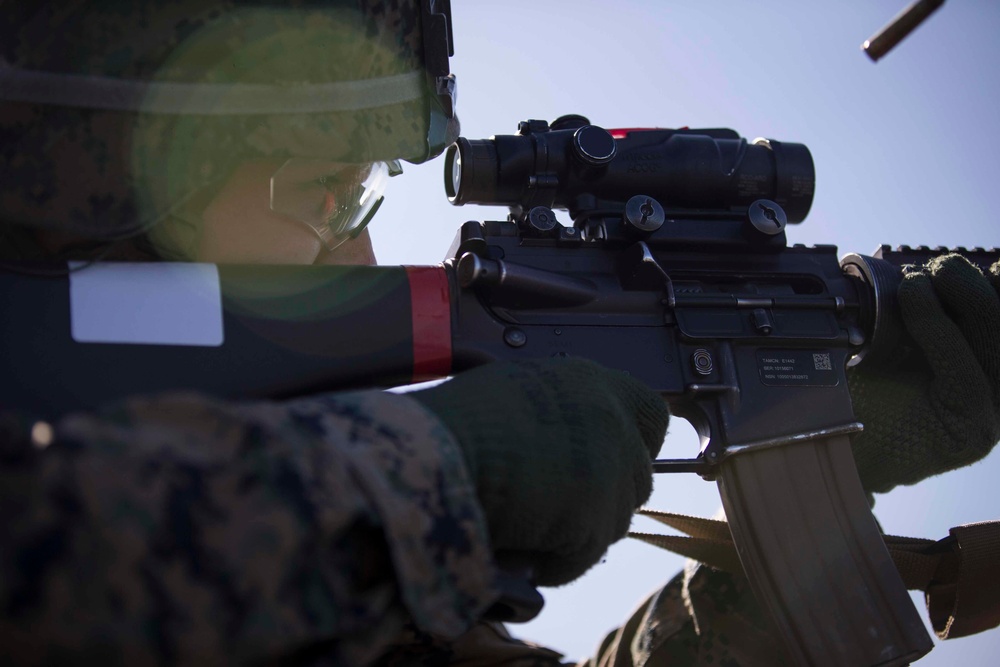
182 529
339 529
702 616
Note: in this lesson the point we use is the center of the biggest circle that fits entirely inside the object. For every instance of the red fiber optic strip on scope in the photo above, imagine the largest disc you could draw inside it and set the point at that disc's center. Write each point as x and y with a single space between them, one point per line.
431 305
624 132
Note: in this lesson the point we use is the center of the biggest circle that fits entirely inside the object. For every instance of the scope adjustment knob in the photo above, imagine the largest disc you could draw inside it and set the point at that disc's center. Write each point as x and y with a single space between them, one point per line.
594 145
569 122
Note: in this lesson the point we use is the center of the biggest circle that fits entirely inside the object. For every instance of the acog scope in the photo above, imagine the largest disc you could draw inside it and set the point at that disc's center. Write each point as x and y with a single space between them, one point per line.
585 169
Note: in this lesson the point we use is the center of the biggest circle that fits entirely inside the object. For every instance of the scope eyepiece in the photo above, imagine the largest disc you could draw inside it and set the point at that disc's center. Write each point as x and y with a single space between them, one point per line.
453 171
470 171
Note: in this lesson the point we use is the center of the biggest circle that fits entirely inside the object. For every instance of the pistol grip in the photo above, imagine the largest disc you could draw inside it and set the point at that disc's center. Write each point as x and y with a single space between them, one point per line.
815 557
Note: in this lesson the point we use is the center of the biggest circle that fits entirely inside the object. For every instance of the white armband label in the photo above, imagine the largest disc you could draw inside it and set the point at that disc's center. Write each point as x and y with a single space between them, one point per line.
155 303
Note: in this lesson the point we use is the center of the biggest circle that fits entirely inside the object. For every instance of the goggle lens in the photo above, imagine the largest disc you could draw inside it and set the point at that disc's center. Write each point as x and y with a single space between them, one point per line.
335 199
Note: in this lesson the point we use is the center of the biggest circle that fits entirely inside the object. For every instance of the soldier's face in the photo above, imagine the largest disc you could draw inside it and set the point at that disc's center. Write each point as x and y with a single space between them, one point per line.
240 227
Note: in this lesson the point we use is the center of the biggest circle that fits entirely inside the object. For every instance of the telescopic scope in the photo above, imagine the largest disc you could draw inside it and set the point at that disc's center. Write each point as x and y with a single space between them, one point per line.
581 167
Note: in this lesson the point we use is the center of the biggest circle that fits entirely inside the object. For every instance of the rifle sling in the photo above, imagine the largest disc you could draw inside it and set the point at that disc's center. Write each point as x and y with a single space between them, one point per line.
958 574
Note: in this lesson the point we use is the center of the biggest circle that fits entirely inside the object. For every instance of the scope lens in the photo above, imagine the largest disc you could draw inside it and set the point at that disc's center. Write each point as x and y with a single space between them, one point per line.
456 171
453 171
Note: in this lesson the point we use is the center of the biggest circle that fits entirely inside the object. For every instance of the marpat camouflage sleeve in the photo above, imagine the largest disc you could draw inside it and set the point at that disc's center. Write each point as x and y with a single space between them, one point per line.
701 618
181 529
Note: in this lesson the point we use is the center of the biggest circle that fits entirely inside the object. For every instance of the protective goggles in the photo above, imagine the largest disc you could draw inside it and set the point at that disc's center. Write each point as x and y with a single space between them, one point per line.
337 200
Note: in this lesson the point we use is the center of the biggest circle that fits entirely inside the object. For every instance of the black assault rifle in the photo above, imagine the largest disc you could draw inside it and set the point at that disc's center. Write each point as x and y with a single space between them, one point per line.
674 269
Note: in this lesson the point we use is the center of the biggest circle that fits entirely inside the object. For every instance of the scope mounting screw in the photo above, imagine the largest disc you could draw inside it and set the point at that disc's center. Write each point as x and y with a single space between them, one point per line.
514 337
644 214
767 217
702 362
542 220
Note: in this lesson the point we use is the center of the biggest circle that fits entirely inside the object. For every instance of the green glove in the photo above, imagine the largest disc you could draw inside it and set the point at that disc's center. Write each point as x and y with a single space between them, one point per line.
560 452
940 408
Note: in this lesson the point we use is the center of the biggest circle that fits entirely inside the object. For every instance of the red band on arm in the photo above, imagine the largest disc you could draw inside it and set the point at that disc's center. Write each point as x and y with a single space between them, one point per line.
431 304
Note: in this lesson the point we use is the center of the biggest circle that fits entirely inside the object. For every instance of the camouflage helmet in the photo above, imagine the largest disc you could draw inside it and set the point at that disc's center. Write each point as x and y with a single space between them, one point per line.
112 113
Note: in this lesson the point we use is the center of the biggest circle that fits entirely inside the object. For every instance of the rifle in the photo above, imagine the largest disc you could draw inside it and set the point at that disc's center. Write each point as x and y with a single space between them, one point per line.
675 269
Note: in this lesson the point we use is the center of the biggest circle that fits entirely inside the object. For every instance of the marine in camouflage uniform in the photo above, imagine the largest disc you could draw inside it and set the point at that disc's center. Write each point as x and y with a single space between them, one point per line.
184 529
178 529
338 529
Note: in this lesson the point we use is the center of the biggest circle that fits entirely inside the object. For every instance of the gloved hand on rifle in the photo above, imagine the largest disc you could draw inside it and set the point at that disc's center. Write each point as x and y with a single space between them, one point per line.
939 408
560 452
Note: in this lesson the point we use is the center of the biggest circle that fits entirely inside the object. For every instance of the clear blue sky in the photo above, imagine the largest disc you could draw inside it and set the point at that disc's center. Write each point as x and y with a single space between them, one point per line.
906 151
